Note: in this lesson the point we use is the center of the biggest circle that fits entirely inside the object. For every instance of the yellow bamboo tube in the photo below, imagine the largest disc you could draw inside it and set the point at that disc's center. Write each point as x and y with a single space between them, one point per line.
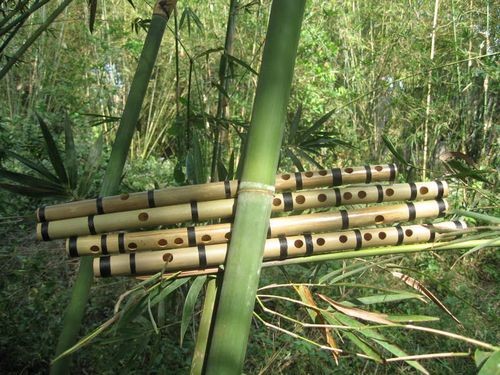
214 191
114 243
202 257
223 208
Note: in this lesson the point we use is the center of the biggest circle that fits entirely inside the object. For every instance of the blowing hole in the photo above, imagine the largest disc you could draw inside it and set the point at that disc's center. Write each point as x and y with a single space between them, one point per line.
227 236
167 257
94 248
349 170
124 197
162 242
206 238
379 219
132 246
143 216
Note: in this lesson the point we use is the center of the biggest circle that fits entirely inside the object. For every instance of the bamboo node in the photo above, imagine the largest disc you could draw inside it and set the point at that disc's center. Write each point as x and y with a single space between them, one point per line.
255 187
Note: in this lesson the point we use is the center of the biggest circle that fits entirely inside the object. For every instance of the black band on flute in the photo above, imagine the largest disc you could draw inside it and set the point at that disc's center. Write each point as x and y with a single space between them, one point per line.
73 251
105 266
338 197
309 244
368 174
191 236
90 222
359 240
283 247
432 230
288 201
440 189
401 235
298 181
336 177
98 206
104 244
345 219
380 193
132 263
121 242
459 225
441 207
227 189
392 172
412 212
194 210
151 199
41 214
202 256
413 191
44 230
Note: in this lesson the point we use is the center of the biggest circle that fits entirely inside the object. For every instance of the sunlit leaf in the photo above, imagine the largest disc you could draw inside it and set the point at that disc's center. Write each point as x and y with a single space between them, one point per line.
394 152
491 366
189 303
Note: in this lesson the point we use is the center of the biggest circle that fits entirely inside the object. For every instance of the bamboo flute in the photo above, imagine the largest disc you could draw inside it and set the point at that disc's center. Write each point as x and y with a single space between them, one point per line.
203 257
214 191
115 243
223 208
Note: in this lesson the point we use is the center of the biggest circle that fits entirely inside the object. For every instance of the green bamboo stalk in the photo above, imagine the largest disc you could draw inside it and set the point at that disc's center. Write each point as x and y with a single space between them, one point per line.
27 44
228 342
74 313
135 98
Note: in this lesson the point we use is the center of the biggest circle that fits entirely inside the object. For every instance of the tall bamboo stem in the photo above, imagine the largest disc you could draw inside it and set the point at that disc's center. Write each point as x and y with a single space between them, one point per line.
74 312
242 269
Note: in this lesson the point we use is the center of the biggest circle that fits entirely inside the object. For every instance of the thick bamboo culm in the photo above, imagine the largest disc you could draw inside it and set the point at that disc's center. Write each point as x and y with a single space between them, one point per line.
202 257
115 243
223 208
214 191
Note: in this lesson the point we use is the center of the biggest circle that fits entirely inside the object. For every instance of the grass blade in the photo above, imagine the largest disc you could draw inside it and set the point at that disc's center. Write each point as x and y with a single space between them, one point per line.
190 302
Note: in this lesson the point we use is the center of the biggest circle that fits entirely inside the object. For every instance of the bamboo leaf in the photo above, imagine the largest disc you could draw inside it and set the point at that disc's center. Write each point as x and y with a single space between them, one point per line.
295 124
92 4
54 156
91 167
70 153
412 318
35 167
477 248
295 160
415 284
480 357
492 365
189 303
30 181
384 298
242 63
394 152
32 191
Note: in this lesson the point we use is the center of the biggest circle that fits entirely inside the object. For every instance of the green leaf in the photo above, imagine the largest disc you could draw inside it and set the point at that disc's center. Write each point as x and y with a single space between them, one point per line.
242 63
179 176
54 156
295 160
70 153
384 298
491 366
92 13
480 357
30 181
189 303
230 169
394 152
411 318
464 171
31 191
295 124
319 123
35 167
91 167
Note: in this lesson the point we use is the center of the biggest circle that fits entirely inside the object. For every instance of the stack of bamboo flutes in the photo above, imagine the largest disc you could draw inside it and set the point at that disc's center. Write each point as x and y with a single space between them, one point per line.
103 227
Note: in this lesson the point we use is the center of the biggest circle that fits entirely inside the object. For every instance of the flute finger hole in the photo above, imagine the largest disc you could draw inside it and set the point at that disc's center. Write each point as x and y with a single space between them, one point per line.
276 202
379 219
389 192
367 236
227 236
167 258
308 174
206 238
349 170
300 199
285 176
143 216
94 248
298 244
322 197
132 246
343 239
178 241
382 235
322 173
378 168
347 196
409 232
320 241
162 242
124 197
424 190
362 194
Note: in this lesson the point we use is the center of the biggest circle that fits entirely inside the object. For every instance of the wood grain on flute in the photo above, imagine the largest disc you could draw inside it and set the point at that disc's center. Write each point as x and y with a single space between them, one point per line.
223 208
214 191
114 243
201 256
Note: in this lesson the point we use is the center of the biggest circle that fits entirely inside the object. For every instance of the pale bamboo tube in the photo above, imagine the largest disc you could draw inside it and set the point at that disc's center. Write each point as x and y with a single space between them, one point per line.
114 243
223 208
203 257
214 191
